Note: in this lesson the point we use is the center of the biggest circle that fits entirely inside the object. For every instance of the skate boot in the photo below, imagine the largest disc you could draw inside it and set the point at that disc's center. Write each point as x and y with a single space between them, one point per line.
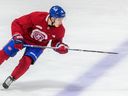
8 82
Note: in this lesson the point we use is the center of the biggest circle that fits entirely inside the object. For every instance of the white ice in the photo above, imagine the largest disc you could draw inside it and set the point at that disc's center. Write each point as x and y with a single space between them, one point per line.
90 24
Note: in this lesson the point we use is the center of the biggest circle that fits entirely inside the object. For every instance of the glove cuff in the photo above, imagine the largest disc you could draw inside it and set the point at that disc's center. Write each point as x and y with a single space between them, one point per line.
18 39
59 44
17 36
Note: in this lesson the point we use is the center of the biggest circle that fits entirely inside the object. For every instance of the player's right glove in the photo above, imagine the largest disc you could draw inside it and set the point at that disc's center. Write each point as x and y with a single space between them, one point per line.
19 41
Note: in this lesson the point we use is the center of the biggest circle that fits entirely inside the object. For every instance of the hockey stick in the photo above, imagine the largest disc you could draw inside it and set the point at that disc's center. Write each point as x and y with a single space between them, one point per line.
43 47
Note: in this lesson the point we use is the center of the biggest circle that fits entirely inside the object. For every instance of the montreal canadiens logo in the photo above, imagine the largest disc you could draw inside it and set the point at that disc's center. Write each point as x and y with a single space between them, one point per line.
38 35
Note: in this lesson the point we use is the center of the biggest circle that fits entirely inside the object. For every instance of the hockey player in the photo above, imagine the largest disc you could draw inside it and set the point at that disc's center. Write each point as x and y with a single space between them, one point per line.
36 28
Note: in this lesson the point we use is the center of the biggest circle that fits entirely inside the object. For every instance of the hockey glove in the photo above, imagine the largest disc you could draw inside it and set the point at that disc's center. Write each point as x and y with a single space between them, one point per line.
18 40
62 48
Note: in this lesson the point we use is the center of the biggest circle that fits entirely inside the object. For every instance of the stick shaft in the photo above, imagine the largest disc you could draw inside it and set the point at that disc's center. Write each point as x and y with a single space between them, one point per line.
96 51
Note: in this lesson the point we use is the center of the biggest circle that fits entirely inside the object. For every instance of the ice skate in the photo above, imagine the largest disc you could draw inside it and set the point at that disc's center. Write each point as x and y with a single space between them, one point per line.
8 82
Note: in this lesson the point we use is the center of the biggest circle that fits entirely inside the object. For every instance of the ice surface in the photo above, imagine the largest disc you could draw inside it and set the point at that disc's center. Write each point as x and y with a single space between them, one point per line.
90 24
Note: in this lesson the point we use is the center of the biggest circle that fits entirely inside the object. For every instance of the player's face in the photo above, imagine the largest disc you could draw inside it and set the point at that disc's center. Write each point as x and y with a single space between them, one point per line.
58 22
55 22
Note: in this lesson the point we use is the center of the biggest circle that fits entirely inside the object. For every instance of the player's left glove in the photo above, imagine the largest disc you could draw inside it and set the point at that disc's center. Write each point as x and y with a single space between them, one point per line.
18 40
62 48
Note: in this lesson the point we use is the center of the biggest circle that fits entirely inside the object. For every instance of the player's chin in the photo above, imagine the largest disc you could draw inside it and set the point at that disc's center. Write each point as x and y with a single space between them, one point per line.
57 25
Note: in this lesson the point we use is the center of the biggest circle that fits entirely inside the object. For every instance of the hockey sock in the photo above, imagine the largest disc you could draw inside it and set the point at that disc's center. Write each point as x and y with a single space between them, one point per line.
22 67
3 56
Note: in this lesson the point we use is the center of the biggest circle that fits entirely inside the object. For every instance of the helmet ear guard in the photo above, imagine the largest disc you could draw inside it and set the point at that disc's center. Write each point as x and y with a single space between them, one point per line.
57 12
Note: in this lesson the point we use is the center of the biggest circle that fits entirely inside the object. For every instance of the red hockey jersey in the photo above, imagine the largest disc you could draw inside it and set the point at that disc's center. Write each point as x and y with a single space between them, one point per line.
35 30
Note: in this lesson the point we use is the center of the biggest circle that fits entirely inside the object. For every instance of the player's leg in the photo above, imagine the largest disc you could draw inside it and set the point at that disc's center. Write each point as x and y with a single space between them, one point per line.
30 56
7 51
3 56
22 67
19 70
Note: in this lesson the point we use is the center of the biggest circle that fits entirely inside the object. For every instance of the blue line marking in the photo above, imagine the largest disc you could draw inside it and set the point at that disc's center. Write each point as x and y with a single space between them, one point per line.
94 73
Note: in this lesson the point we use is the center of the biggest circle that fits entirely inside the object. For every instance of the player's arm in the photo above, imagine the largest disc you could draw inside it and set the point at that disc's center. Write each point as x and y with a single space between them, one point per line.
62 48
26 22
18 26
57 42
